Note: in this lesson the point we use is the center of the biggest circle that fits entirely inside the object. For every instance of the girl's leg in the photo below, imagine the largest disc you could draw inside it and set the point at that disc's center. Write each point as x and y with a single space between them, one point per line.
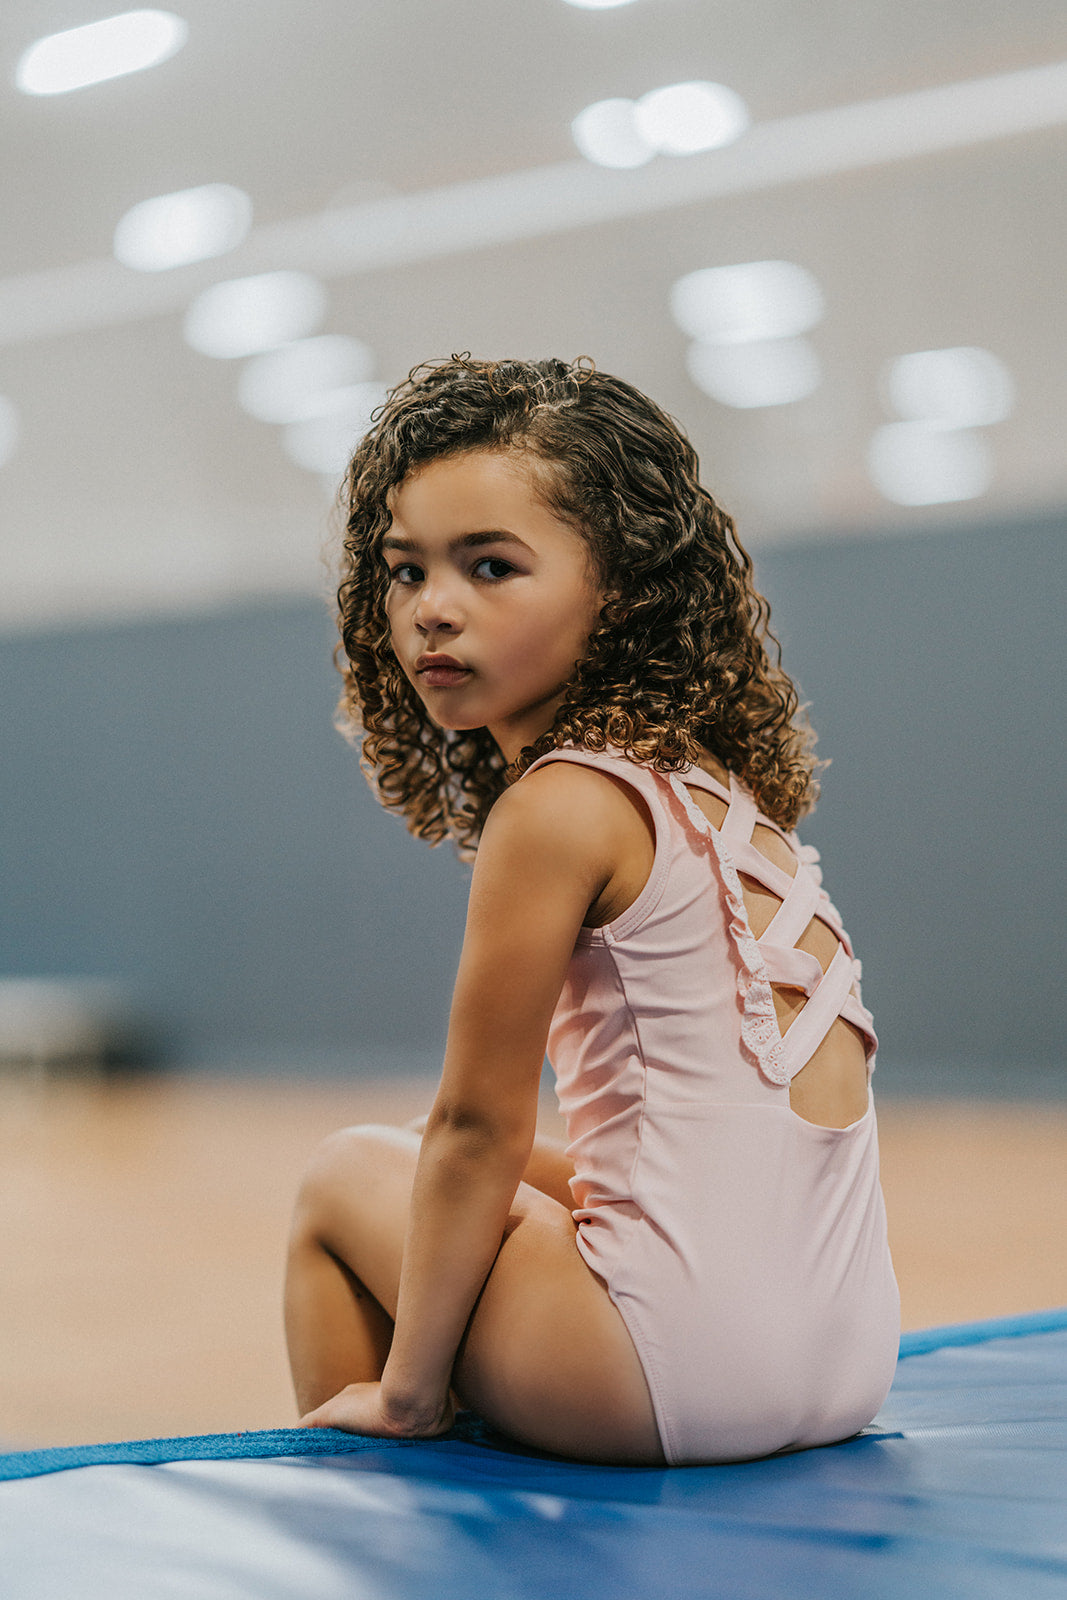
550 1169
336 1331
546 1356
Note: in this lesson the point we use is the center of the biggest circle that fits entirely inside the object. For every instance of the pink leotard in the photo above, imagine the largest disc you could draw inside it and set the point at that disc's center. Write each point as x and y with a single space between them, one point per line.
744 1247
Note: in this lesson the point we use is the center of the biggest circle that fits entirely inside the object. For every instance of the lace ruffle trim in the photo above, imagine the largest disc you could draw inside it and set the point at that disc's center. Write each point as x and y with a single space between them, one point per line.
810 857
760 1035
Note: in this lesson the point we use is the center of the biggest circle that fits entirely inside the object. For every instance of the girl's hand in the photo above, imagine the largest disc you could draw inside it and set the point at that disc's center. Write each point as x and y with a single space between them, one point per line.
359 1409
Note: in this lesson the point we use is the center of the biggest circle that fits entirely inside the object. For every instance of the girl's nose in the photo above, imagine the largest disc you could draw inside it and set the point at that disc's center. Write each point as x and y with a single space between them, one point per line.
438 610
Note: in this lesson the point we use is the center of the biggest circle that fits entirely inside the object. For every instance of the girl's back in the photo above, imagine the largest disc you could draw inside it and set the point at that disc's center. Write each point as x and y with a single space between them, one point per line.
743 1243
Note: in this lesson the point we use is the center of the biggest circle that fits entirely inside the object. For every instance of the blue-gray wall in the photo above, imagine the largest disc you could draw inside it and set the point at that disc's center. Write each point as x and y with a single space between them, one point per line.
179 814
935 668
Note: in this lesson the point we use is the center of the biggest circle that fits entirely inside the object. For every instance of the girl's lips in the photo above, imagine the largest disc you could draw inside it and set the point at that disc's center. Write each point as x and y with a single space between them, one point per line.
444 677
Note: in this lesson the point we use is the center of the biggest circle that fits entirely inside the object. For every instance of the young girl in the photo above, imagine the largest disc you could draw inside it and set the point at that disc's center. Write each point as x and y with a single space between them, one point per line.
556 657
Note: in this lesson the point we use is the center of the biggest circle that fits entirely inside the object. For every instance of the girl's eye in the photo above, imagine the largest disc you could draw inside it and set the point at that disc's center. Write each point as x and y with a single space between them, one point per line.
406 572
497 567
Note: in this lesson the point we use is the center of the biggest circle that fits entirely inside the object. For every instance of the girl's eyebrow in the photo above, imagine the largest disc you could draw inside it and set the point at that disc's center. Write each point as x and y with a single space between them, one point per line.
463 541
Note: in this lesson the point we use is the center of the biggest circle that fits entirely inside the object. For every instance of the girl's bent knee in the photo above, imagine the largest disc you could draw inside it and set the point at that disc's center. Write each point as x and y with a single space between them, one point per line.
337 1158
358 1154
345 1145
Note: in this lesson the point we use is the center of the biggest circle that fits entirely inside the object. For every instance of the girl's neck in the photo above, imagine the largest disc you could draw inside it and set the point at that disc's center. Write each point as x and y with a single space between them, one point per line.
713 767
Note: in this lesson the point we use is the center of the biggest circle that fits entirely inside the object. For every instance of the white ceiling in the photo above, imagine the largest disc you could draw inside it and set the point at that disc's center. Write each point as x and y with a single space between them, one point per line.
139 485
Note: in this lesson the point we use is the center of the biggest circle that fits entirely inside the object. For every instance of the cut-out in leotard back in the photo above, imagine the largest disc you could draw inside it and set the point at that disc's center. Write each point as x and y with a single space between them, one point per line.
773 957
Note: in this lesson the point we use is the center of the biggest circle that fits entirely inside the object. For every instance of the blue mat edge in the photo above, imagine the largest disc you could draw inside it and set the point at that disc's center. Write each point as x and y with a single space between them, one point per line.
274 1442
922 1340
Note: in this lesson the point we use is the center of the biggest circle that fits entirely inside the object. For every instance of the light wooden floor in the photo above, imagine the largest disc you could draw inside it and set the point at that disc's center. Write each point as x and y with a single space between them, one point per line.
143 1232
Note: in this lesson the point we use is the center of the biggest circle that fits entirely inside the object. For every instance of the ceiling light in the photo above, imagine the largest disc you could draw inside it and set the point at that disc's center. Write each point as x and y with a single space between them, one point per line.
172 230
598 5
685 118
246 315
325 443
100 50
297 381
606 134
964 387
9 429
913 464
681 119
773 372
750 301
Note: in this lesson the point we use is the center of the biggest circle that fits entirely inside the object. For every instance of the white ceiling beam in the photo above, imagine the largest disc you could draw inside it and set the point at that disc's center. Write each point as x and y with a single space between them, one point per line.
461 217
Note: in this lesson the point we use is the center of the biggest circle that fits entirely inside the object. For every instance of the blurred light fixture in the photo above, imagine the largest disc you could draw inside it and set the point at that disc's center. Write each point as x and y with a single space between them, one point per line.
598 5
964 387
685 118
606 134
768 372
298 380
100 50
246 315
914 464
679 120
325 443
753 300
172 230
9 429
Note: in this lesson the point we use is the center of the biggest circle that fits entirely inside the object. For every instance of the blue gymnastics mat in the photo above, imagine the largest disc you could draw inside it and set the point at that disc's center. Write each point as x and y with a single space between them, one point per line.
958 1491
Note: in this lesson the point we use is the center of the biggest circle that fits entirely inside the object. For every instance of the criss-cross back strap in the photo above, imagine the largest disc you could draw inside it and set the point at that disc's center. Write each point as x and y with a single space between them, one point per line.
829 994
821 1010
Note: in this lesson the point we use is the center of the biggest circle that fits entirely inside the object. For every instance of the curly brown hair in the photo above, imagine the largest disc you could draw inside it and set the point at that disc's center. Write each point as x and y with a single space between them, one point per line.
679 662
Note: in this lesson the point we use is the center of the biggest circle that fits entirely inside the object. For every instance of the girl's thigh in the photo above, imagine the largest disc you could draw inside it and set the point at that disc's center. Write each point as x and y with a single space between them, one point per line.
546 1356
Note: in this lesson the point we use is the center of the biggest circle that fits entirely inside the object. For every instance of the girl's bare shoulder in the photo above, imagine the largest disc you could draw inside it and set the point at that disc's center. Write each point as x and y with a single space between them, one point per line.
568 812
567 794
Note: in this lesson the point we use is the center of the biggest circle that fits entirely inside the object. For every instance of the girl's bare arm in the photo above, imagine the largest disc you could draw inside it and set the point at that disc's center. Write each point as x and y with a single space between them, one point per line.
545 855
549 1167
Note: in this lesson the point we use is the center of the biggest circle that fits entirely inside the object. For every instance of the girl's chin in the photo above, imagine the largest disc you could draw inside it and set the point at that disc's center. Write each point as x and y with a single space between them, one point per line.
453 724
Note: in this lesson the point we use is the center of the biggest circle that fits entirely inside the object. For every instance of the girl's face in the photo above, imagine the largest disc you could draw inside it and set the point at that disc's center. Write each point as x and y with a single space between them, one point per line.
491 597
